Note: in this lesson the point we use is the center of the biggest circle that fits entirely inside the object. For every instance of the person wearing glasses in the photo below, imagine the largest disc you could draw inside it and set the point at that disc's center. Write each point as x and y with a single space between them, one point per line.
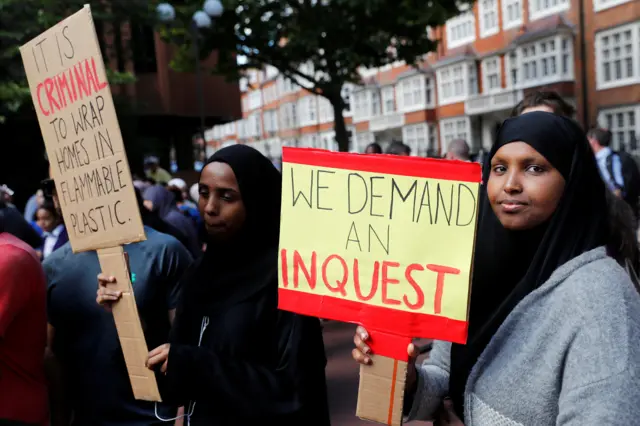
89 377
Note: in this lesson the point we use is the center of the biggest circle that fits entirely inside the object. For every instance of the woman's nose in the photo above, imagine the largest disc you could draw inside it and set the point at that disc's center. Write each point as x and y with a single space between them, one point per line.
512 184
211 208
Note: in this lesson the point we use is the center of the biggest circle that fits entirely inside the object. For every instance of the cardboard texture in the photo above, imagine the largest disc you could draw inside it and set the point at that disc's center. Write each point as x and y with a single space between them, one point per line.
75 110
381 391
382 241
125 313
82 136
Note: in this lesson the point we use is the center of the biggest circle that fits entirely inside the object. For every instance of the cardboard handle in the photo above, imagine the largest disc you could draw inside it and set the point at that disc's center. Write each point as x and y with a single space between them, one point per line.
114 262
381 390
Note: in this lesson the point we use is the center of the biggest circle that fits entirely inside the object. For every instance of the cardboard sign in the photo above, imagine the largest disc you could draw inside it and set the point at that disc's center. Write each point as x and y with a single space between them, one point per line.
382 241
78 121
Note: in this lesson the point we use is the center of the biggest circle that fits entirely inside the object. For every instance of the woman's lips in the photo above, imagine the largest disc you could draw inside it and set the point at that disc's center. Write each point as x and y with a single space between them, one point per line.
512 206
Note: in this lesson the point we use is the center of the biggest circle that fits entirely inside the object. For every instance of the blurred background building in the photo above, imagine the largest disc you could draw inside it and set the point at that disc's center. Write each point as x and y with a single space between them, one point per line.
488 58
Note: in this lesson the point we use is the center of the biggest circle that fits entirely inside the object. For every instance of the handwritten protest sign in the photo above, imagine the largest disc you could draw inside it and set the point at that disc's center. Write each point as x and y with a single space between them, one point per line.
382 241
77 117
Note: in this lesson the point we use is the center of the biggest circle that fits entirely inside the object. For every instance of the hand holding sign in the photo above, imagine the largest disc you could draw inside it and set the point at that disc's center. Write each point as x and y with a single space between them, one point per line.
77 117
382 241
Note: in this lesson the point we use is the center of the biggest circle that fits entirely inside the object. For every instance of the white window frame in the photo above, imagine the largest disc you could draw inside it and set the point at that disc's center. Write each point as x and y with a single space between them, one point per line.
517 5
543 10
308 111
464 19
482 12
388 96
537 59
485 74
255 99
418 85
634 27
603 122
363 101
363 139
328 140
599 5
325 110
416 136
270 119
455 134
447 75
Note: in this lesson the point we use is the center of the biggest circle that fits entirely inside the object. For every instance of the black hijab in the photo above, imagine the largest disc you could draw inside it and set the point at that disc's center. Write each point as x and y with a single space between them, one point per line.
237 269
509 265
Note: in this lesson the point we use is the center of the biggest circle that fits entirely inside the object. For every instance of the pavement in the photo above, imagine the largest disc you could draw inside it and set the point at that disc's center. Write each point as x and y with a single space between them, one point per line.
343 375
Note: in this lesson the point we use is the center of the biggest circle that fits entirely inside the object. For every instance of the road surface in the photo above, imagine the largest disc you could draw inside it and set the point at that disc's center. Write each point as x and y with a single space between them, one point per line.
343 375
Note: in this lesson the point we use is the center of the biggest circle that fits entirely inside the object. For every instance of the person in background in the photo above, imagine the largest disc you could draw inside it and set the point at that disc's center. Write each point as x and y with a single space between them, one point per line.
181 185
35 201
23 337
544 100
398 148
54 232
554 322
15 224
155 172
458 149
89 380
193 193
162 202
238 358
155 222
609 163
619 210
373 148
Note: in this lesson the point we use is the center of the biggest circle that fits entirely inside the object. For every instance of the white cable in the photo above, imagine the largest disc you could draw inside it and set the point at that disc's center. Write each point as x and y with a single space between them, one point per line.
192 405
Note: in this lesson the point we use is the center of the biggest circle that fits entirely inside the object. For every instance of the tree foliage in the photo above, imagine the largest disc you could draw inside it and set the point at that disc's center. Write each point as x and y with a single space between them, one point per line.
336 37
22 20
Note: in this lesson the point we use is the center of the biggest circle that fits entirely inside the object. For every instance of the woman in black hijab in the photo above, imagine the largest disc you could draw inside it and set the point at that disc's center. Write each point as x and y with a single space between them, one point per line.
234 358
543 287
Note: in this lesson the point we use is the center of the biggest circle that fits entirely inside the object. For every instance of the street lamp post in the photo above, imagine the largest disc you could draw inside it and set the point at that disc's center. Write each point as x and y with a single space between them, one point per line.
201 19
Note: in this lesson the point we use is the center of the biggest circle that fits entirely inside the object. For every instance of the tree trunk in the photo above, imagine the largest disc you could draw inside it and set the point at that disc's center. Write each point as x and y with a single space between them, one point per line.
342 137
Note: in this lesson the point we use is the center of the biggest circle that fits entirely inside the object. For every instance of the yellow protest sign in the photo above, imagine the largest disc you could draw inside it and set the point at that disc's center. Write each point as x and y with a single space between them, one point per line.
385 241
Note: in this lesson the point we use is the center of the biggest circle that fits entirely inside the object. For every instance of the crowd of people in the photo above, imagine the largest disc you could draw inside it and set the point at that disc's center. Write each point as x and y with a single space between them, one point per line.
554 319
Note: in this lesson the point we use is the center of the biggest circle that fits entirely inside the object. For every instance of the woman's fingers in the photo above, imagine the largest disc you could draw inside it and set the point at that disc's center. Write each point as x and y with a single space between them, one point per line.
360 357
153 360
158 355
159 350
362 332
413 352
103 280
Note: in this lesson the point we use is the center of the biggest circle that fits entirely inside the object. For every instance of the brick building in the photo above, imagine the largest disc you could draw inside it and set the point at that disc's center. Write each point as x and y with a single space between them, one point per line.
489 57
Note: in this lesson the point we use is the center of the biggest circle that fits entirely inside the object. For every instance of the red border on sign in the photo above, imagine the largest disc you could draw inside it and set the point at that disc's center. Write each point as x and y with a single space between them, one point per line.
392 323
387 164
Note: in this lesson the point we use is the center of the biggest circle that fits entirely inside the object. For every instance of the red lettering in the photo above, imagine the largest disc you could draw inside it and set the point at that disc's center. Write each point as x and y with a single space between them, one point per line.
441 271
419 293
49 87
345 275
374 281
74 94
284 268
39 93
91 78
80 81
62 85
298 264
101 85
386 281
